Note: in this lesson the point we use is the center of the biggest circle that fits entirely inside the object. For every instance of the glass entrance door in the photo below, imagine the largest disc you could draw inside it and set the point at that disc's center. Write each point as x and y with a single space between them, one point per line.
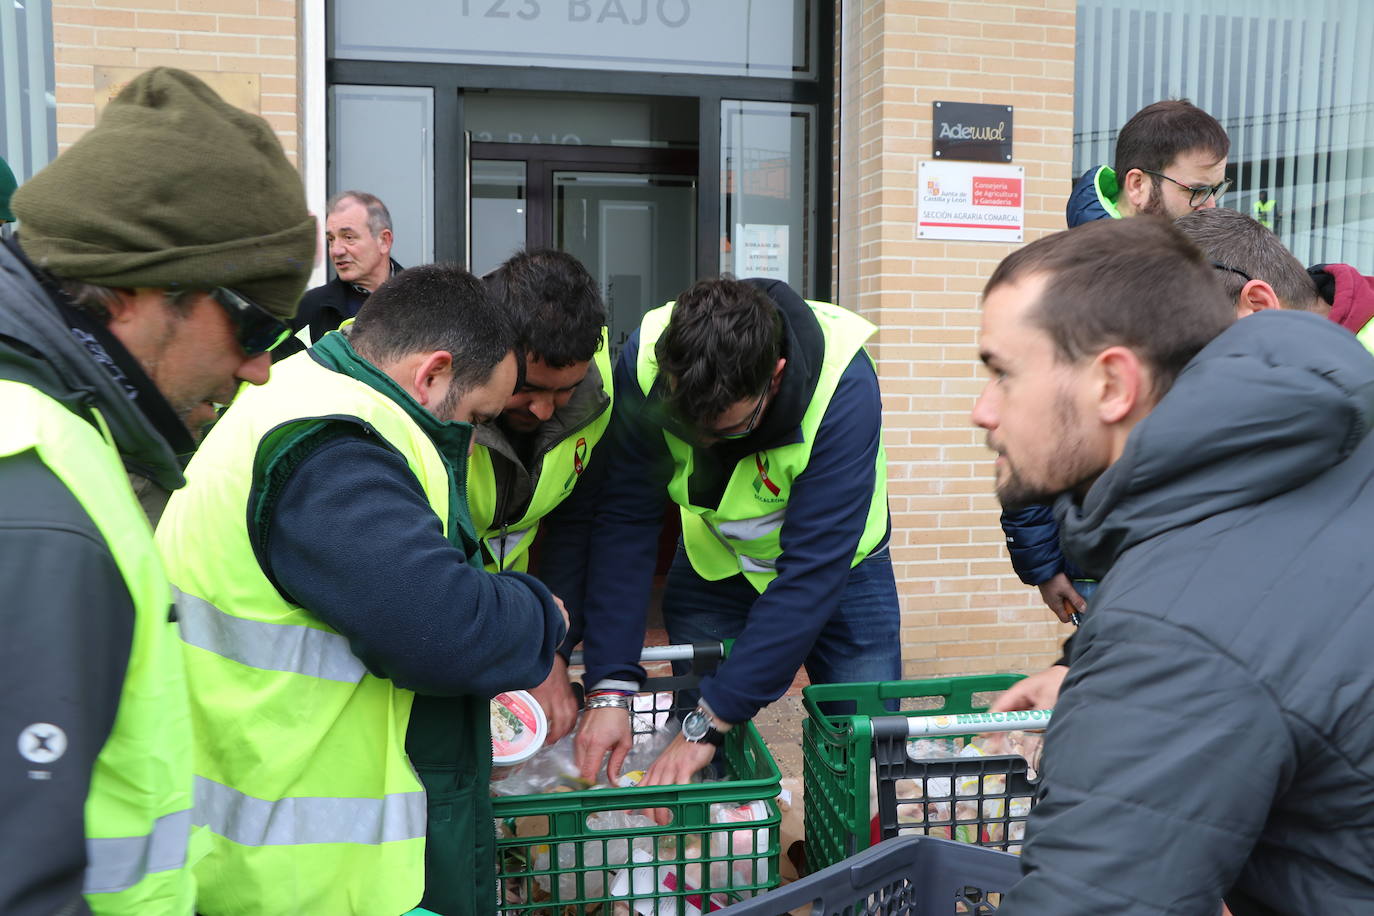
635 233
629 215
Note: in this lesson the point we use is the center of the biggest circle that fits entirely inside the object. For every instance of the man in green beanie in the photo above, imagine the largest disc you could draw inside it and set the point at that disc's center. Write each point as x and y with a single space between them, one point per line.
156 263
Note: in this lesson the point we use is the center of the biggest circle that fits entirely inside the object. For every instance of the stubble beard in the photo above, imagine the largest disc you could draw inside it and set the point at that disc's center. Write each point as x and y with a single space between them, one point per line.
1073 468
1154 206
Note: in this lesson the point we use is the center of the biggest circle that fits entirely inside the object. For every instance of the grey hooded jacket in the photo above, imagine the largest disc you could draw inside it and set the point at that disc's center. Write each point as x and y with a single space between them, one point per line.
66 619
1215 734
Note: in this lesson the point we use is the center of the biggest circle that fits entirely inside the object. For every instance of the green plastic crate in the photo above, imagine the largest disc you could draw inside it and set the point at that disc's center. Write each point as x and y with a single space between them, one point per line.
565 861
840 753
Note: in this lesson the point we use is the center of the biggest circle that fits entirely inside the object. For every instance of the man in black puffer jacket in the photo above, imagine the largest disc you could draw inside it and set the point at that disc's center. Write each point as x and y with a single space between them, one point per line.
1212 736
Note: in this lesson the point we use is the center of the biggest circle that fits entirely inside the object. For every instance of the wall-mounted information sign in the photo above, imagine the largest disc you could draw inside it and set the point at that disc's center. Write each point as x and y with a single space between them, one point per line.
971 202
963 130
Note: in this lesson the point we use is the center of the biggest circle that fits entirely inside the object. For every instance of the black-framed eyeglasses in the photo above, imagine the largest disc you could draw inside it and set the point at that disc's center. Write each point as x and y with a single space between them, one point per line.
257 329
749 424
1235 270
1199 194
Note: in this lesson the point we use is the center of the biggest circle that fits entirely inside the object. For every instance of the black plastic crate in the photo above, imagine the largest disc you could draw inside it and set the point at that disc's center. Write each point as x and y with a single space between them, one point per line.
905 876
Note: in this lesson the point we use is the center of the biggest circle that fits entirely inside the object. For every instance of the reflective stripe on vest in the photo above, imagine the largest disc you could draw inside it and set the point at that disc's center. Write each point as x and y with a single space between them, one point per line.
504 548
742 533
115 864
298 821
137 812
763 565
746 529
270 646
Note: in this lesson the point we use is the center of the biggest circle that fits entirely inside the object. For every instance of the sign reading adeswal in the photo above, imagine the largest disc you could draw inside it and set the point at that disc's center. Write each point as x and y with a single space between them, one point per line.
964 130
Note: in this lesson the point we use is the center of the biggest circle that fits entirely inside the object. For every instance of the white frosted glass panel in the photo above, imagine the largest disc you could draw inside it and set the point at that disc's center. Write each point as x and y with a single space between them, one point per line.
721 37
28 104
1292 83
381 140
634 232
768 196
499 201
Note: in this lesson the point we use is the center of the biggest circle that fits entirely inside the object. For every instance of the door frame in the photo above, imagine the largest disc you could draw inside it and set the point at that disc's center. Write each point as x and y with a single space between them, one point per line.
450 156
543 159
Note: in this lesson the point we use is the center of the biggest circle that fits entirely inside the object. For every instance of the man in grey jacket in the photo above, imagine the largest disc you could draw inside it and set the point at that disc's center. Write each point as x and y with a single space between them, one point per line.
145 285
1211 737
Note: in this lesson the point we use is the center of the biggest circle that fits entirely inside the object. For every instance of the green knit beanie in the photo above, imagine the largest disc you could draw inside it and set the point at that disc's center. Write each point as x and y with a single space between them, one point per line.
7 186
174 189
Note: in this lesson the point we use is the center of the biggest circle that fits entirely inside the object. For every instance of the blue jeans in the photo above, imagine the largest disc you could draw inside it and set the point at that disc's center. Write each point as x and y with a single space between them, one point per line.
860 642
1086 587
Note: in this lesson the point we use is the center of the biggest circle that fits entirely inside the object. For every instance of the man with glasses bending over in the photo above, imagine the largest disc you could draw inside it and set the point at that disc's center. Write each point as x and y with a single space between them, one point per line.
1170 161
157 261
759 415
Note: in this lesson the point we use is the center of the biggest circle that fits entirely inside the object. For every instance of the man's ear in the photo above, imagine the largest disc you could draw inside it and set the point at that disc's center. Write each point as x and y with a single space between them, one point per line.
1123 384
1136 187
384 241
1256 296
431 377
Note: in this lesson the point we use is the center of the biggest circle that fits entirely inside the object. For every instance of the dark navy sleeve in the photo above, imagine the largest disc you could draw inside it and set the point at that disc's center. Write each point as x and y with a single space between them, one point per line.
1033 542
66 628
827 511
625 531
565 547
353 539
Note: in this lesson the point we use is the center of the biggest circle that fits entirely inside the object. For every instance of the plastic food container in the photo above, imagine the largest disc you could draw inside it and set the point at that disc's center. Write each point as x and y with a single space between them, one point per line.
518 728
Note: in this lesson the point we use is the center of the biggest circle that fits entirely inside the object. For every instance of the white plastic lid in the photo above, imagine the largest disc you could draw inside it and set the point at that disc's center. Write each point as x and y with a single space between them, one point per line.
518 728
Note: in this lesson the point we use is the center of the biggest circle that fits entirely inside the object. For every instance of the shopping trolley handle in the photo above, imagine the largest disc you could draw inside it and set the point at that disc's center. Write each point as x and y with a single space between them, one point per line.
688 651
969 723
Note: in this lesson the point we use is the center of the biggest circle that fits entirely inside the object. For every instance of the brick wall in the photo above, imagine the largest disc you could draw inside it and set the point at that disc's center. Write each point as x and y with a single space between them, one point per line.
964 611
256 37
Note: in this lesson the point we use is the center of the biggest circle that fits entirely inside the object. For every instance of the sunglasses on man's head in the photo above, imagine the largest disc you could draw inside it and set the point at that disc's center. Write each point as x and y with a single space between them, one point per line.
257 329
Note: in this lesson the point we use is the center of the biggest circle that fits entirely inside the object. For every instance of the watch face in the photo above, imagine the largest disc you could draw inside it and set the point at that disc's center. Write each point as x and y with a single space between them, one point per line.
694 725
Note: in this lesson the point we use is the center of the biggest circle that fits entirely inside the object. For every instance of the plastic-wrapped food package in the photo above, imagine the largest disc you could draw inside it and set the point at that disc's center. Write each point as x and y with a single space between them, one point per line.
554 768
744 847
958 808
650 887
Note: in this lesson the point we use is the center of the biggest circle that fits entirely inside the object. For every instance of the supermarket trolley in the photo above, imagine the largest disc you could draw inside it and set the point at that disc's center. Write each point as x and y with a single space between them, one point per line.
570 853
903 876
855 763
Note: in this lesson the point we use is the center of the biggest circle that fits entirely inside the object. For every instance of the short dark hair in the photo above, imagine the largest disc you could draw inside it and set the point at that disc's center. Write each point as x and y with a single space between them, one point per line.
1137 283
435 307
554 304
1158 134
721 346
1234 239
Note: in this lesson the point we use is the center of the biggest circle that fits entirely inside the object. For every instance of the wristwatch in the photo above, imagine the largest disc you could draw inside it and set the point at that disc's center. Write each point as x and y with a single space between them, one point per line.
697 728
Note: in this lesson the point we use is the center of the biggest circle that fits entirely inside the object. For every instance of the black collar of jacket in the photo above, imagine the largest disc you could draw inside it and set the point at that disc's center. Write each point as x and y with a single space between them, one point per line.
341 291
364 291
341 298
105 349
